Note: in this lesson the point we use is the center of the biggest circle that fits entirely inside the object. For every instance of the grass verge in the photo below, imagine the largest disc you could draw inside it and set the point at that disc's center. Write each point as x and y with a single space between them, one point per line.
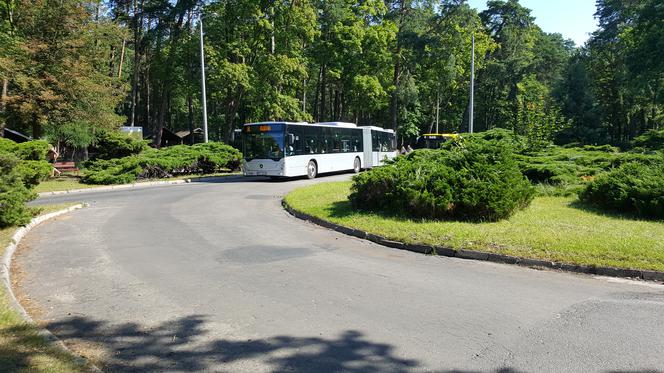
552 228
22 349
69 182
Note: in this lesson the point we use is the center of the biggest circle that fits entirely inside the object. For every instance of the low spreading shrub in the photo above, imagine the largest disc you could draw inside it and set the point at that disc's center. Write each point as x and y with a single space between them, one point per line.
634 187
30 150
166 162
476 179
113 144
13 192
515 142
34 172
651 140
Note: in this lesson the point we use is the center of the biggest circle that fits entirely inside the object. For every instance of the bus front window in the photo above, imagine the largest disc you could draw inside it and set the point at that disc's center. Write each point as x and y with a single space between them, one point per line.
264 144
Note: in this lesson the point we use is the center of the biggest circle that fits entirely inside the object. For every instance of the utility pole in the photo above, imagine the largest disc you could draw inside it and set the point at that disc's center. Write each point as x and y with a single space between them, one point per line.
472 85
205 126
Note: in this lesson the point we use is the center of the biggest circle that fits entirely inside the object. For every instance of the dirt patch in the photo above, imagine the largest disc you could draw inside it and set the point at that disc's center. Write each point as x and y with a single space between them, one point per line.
18 277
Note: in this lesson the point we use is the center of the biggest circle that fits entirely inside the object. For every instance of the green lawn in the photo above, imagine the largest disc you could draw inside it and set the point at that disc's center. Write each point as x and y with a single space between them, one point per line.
552 228
61 183
21 348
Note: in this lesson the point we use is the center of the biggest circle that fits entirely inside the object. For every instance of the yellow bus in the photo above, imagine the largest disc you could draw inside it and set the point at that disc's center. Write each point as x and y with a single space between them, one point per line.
433 140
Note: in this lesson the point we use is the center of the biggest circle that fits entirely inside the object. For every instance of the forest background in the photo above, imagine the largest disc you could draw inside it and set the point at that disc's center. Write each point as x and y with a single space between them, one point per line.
71 68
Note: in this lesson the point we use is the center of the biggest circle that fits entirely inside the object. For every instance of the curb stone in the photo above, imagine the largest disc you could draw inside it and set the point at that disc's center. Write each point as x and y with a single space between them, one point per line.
5 268
115 187
133 185
647 275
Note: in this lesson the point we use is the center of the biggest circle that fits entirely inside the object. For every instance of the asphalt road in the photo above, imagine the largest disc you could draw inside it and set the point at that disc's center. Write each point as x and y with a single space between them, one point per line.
217 277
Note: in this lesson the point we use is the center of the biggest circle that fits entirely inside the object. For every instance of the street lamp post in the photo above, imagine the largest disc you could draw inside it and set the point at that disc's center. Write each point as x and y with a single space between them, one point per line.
205 125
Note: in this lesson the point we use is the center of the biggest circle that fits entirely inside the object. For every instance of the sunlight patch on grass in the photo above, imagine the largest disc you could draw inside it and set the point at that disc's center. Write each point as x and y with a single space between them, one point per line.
552 228
61 183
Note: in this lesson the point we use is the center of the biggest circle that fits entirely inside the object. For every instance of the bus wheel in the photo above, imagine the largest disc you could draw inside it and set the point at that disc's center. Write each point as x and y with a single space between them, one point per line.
357 166
312 170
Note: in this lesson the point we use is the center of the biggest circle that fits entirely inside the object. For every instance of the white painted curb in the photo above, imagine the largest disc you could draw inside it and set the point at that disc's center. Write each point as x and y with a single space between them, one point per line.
5 268
142 184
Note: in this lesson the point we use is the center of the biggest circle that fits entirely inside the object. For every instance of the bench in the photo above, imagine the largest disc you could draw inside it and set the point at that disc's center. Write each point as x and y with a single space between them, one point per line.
65 166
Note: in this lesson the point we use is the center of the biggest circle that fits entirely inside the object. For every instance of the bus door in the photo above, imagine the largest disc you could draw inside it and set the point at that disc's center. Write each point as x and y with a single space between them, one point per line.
375 149
367 162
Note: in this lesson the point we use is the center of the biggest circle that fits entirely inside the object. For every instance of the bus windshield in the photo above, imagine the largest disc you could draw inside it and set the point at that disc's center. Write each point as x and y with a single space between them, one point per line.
265 141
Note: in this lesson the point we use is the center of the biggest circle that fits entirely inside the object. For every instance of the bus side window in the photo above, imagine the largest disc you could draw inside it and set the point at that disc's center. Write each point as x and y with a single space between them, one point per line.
298 145
336 143
312 140
357 140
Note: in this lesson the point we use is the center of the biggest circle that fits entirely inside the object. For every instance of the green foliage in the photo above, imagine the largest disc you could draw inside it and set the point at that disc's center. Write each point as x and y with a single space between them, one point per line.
634 188
13 192
30 150
651 140
33 172
565 167
60 82
166 162
517 143
113 144
478 181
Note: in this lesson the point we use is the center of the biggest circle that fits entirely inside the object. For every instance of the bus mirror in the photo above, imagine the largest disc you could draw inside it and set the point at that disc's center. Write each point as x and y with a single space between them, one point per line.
291 138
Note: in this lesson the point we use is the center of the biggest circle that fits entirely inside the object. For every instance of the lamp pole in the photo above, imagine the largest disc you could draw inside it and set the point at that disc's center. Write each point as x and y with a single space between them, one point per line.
205 124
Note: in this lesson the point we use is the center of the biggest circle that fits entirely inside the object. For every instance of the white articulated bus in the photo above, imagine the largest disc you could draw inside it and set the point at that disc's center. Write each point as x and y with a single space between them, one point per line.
298 149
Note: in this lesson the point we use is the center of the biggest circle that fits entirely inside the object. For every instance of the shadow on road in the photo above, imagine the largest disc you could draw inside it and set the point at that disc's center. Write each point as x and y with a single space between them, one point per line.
262 179
183 345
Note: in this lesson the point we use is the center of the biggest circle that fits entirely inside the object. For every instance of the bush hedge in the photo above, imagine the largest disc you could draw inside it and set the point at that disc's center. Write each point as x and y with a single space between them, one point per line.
651 140
113 144
635 187
35 150
22 166
166 162
13 192
476 179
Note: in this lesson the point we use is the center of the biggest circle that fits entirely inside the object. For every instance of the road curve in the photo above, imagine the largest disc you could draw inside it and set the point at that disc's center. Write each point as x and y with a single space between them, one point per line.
217 277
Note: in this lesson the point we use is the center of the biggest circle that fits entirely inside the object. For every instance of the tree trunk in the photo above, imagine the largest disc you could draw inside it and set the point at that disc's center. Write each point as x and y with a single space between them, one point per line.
122 54
148 121
162 115
394 106
318 82
137 54
111 60
3 101
232 109
191 118
321 114
335 109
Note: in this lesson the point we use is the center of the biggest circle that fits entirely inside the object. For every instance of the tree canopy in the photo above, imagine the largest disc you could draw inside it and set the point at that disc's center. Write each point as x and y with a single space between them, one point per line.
71 68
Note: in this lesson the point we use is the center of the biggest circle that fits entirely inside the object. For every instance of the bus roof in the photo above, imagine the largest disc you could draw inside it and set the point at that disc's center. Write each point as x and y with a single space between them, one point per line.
337 124
276 122
333 124
378 128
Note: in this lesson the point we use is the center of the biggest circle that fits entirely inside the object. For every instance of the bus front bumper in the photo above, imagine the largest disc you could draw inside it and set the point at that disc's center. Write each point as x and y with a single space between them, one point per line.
263 168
